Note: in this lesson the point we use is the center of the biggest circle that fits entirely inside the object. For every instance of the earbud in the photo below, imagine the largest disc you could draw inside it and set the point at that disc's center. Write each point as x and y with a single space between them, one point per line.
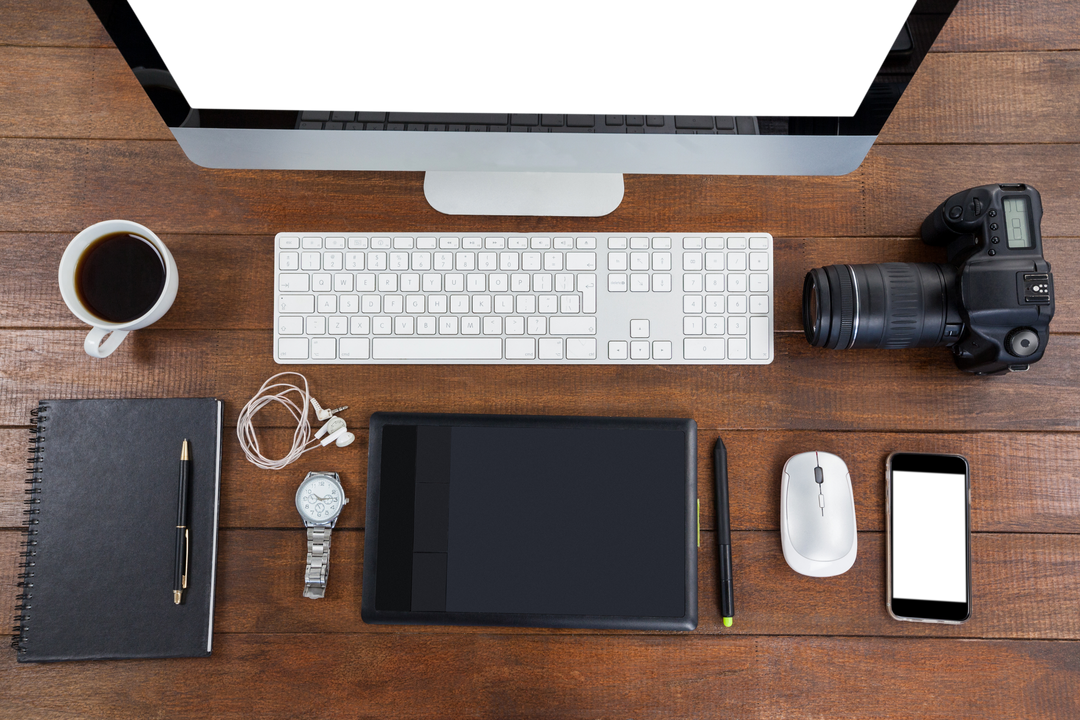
332 426
336 433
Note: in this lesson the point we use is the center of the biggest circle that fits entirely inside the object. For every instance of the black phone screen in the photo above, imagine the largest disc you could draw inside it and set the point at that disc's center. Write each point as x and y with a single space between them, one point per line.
929 531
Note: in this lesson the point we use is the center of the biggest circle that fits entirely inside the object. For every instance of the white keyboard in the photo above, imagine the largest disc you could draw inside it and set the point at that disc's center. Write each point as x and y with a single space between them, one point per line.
661 298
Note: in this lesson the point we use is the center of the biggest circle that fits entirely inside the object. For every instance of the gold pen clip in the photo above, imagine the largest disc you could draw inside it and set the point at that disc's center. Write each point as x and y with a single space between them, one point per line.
187 557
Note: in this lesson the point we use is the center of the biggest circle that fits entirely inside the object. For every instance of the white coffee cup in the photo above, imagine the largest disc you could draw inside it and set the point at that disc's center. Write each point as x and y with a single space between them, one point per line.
113 333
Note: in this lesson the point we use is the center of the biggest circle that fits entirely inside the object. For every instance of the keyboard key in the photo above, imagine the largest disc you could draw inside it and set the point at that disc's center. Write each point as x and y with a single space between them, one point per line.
586 285
759 243
736 282
437 348
691 304
548 304
736 325
736 261
616 349
759 261
553 261
353 348
520 348
639 261
571 326
568 304
736 243
321 282
292 348
586 243
537 326
564 282
616 283
736 304
691 243
703 349
289 243
338 325
661 243
359 325
526 304
759 304
470 326
759 338
759 282
714 283
691 261
296 304
661 282
315 325
580 348
714 261
639 328
692 283
615 243
324 349
343 282
691 326
615 261
639 350
639 243
371 304
737 349
393 304
661 261
293 282
312 243
310 261
564 243
292 325
551 349
382 325
639 282
714 325
661 350
289 261
448 325
492 326
515 326
580 261
714 243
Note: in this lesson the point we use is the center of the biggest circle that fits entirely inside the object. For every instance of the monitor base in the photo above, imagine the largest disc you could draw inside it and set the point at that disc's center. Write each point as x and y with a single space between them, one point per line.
523 193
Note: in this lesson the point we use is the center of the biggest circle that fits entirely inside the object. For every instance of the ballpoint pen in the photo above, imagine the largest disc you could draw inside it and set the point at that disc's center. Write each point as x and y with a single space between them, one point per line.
723 533
183 538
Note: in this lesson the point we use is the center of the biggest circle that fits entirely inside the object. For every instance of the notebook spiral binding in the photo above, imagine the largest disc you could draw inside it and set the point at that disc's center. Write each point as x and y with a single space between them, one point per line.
25 572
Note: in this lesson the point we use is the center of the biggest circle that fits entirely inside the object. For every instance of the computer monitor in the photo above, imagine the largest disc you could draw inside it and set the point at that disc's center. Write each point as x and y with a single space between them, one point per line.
503 116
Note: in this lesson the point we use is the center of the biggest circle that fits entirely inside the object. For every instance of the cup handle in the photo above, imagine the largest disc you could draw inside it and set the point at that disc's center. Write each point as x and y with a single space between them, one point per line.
95 348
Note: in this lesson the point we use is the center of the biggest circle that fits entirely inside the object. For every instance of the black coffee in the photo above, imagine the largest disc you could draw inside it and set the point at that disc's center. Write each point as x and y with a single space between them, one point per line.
119 277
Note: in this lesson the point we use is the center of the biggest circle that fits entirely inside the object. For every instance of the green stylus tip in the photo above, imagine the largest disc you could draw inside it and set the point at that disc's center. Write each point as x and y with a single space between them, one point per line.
727 622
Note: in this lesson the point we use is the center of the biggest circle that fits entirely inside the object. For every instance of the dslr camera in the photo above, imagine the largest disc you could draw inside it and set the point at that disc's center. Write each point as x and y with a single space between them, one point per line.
992 302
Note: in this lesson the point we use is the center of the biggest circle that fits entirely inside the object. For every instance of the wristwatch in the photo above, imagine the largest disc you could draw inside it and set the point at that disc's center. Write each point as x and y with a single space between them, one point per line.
319 500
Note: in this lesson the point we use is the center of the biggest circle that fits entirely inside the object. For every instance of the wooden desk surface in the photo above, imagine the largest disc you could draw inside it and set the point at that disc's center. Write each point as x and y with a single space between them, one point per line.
997 101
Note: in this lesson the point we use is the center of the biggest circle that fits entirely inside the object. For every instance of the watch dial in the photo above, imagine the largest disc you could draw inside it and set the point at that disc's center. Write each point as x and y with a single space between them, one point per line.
320 499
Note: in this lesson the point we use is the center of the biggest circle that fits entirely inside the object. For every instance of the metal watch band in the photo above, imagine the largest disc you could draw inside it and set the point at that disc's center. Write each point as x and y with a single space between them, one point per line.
318 562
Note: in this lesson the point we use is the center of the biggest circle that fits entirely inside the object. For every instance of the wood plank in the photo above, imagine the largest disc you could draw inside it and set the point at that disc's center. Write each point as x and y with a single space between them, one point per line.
260 575
1021 482
227 281
1004 25
958 98
73 93
498 676
51 23
153 183
864 390
954 98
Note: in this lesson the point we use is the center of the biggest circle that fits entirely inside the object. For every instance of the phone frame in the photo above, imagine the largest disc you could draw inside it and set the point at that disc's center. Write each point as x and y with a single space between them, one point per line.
888 541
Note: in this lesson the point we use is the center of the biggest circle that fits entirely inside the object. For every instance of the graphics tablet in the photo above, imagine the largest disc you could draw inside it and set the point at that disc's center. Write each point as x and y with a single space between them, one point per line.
570 522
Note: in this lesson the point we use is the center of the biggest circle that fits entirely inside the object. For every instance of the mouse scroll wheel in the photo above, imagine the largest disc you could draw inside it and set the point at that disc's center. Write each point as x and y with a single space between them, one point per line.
819 476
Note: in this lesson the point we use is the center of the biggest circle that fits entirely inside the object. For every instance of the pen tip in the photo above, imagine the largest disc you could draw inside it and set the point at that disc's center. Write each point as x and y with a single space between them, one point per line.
727 622
184 456
176 597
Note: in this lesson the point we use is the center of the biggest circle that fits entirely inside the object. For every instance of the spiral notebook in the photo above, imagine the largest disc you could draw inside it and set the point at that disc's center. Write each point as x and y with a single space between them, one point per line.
96 575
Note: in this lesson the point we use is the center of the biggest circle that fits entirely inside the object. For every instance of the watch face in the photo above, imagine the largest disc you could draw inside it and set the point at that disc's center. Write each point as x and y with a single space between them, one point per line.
319 499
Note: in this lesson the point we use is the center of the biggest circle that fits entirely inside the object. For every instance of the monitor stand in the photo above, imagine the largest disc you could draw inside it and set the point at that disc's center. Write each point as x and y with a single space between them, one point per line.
561 194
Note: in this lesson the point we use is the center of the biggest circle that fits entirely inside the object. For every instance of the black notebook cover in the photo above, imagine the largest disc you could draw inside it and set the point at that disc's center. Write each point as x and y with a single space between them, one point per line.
98 575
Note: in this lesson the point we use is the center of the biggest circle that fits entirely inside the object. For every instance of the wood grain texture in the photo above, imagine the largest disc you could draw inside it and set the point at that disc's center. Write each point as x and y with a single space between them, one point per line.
477 676
1021 482
78 93
804 388
958 98
1004 25
260 574
154 184
51 23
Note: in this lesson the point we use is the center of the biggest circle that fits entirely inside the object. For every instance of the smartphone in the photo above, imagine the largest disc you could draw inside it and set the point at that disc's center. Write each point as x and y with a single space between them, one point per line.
928 514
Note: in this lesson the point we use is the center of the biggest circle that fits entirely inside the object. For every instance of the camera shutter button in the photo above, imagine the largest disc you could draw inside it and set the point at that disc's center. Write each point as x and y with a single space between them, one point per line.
1022 342
955 212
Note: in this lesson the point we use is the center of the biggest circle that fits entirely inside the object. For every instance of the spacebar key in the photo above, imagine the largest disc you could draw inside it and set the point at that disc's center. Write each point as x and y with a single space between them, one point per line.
436 349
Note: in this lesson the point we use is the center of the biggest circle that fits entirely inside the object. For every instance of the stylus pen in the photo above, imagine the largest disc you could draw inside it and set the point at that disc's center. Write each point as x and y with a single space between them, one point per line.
723 533
183 538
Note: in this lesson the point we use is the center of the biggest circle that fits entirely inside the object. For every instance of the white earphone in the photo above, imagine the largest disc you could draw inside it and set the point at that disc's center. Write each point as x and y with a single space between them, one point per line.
274 391
335 432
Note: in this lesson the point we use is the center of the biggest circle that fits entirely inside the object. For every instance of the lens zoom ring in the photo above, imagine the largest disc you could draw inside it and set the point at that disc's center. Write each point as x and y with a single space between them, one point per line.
847 307
904 310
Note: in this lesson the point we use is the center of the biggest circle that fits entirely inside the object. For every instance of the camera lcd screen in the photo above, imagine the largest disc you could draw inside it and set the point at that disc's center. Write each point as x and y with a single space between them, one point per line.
929 536
1017 222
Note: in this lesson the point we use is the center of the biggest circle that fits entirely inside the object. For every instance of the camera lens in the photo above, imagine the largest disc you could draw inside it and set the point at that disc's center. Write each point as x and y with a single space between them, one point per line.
888 305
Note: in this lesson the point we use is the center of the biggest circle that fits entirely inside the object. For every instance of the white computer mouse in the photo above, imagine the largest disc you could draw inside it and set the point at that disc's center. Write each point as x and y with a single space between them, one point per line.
817 515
